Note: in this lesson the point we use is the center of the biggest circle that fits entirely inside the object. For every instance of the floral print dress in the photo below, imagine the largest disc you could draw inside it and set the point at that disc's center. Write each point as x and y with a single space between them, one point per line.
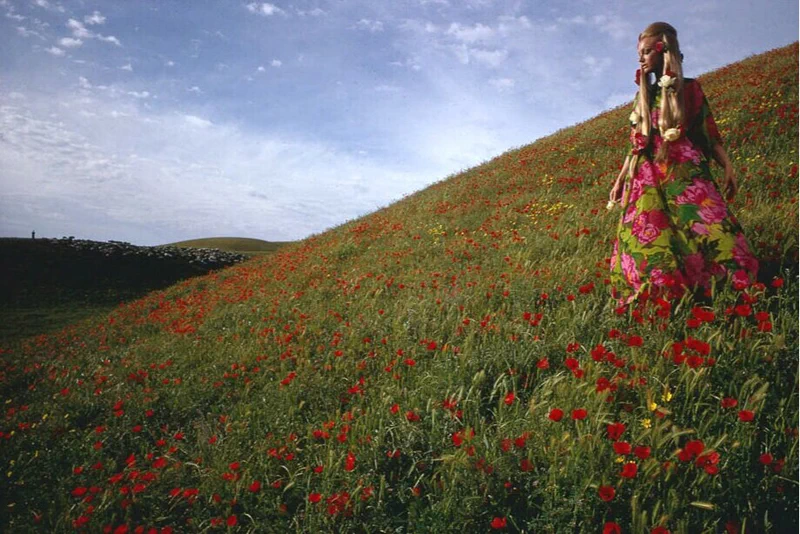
676 230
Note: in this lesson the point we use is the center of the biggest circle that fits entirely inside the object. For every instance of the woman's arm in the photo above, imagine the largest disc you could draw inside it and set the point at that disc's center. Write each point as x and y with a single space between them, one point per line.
721 157
616 190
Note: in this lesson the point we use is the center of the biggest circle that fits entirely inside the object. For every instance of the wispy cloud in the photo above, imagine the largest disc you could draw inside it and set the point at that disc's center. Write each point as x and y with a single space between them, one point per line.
245 184
372 26
79 31
94 18
264 9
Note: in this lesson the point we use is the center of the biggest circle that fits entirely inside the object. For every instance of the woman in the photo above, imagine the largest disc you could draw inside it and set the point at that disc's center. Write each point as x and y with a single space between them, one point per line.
675 231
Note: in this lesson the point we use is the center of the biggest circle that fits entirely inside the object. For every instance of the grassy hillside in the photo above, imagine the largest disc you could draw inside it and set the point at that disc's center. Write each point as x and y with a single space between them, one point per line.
451 363
243 245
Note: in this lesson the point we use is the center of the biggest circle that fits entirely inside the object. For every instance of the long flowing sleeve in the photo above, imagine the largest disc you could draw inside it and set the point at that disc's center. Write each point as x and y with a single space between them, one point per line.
702 129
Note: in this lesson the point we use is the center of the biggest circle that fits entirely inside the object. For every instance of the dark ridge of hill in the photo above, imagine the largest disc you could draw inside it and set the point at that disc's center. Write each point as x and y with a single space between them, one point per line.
44 282
244 245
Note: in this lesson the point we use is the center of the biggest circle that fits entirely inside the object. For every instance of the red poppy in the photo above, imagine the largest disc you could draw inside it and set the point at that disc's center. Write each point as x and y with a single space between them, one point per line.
622 447
556 414
728 402
629 470
642 452
499 523
579 414
509 400
694 447
765 458
746 416
606 493
350 462
314 497
615 430
612 528
635 341
412 416
255 487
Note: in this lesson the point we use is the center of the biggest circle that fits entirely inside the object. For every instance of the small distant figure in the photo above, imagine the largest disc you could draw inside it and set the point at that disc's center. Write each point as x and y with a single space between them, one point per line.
33 234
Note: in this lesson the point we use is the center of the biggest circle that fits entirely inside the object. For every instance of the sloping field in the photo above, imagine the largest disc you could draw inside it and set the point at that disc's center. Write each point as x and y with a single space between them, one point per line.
451 363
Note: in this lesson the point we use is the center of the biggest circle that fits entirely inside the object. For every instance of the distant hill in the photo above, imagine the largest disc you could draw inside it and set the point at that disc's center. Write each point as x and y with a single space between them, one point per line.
49 283
243 245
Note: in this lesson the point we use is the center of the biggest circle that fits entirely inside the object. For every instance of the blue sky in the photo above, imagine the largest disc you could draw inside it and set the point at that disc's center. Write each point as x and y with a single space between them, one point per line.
158 121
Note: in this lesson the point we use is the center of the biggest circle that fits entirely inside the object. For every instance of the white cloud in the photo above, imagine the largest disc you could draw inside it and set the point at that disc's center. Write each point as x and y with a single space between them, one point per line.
491 58
195 89
197 122
94 18
109 39
128 67
139 94
596 66
130 181
616 26
386 88
508 24
47 5
169 63
264 9
372 26
78 29
25 32
69 42
84 83
261 68
276 63
473 34
316 12
502 84
55 51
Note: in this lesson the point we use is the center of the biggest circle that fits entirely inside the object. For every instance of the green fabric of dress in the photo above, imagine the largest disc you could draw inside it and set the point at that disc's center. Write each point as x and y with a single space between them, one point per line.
676 231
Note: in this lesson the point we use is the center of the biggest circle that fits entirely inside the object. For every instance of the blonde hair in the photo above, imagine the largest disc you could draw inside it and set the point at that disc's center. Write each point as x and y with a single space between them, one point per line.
671 113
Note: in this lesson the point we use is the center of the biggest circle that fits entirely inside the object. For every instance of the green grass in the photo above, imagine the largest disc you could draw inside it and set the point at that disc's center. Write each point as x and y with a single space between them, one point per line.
243 245
401 372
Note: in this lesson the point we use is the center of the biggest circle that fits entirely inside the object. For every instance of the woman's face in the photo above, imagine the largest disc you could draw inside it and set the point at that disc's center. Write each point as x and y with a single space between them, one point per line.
650 60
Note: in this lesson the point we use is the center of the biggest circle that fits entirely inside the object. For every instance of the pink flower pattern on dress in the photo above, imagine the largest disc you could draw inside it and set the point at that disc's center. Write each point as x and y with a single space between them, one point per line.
630 271
695 267
677 195
648 225
743 256
682 151
703 194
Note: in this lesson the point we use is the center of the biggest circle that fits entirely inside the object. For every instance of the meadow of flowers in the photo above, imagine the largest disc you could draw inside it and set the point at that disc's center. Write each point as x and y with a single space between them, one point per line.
453 362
